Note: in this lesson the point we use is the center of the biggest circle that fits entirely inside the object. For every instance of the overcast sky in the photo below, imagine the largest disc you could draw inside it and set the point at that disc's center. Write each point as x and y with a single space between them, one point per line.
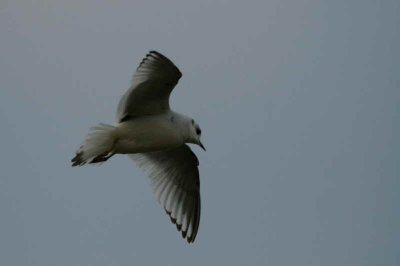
299 104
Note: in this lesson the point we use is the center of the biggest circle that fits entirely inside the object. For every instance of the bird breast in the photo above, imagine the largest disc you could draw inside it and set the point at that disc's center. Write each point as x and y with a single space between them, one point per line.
150 133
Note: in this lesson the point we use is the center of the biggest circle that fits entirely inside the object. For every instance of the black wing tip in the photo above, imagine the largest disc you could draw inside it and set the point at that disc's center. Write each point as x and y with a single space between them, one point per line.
158 55
190 239
77 160
154 52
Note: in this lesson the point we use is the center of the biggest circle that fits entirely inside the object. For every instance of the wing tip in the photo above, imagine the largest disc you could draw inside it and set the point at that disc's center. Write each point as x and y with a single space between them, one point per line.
78 160
157 55
189 238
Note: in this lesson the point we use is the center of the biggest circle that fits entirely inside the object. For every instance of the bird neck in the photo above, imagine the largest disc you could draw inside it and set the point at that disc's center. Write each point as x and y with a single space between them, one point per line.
184 124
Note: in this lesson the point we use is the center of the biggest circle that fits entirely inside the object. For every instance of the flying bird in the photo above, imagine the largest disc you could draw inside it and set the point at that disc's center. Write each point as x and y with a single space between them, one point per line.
156 138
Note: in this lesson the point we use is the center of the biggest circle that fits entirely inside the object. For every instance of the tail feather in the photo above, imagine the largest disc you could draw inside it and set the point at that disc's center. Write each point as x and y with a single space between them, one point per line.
97 147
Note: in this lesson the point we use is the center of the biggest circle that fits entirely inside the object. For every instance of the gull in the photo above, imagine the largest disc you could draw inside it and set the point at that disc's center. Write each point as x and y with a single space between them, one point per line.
156 138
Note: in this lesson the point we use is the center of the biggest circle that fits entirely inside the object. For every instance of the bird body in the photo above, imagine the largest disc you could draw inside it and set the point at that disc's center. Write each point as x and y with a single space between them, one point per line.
155 137
151 133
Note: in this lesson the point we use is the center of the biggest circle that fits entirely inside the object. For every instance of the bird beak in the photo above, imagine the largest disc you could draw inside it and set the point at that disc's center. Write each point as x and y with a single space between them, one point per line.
202 146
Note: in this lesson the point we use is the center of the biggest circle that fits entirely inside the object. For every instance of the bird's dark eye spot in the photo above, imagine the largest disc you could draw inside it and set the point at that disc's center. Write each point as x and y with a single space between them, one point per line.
192 122
198 131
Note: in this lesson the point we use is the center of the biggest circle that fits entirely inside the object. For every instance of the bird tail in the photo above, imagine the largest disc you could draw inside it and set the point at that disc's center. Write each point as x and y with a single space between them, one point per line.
98 146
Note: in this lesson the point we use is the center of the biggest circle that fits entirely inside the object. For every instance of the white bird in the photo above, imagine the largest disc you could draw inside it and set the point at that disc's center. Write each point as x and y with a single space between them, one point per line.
155 137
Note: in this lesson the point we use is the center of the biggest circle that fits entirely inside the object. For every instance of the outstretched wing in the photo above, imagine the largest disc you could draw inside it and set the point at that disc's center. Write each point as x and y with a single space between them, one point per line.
175 182
151 86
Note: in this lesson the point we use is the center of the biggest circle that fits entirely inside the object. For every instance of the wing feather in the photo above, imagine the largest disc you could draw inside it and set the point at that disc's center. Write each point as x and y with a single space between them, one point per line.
150 89
175 181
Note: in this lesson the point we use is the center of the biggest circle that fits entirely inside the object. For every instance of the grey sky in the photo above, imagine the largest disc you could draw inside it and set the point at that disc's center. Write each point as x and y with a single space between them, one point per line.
299 106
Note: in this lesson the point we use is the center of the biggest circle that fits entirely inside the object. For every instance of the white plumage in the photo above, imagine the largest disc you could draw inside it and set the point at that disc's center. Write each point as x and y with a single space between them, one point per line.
155 137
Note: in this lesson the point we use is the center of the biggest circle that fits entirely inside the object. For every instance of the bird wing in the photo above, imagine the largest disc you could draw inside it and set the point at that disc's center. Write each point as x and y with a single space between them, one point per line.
151 86
175 182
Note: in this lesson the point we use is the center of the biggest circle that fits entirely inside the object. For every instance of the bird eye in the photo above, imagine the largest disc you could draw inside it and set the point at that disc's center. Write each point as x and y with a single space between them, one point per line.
198 131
